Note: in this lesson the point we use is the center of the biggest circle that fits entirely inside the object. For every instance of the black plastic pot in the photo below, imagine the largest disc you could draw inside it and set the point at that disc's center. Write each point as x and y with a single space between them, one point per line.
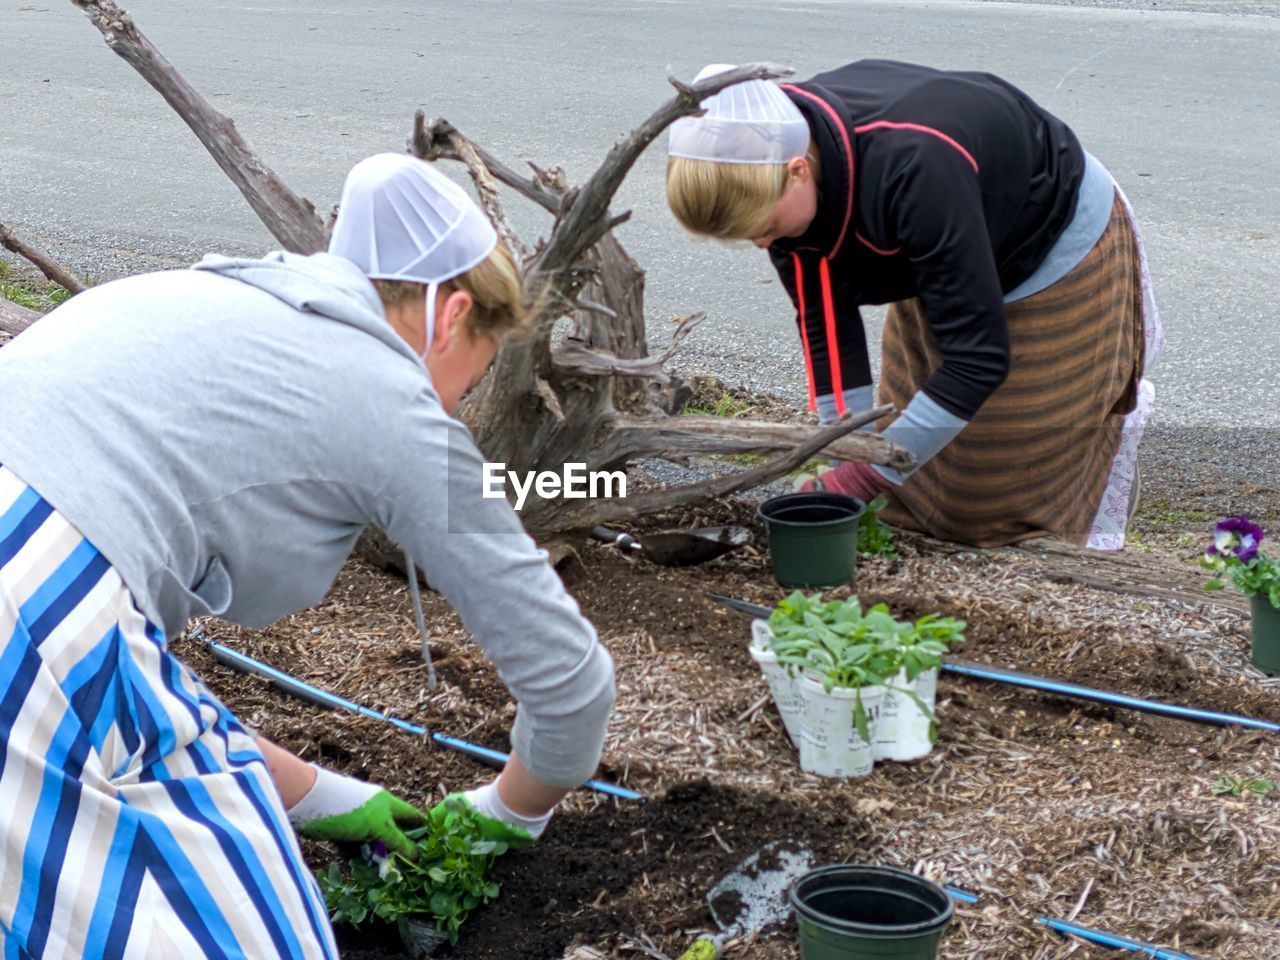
421 937
853 912
1266 635
813 538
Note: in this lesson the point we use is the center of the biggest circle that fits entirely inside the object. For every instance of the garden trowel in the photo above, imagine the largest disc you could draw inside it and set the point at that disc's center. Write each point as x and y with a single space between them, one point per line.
677 548
751 896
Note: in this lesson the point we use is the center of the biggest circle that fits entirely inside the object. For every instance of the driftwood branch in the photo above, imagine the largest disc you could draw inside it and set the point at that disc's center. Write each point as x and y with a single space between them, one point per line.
50 267
441 140
291 219
548 395
691 435
585 216
14 319
552 179
629 508
592 307
1228 601
1131 574
1137 574
486 189
575 357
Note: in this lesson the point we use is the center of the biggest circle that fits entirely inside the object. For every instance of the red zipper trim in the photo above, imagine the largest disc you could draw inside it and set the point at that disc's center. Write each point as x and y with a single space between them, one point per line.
890 125
874 249
833 346
804 334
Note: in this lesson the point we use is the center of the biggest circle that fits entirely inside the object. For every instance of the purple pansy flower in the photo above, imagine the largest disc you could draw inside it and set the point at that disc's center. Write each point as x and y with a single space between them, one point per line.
1236 537
378 854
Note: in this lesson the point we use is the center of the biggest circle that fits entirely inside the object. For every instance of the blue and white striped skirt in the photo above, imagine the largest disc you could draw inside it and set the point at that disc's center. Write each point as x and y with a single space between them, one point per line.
137 817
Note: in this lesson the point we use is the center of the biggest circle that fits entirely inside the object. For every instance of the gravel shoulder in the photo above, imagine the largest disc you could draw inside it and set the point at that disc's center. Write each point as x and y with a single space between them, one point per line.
1253 8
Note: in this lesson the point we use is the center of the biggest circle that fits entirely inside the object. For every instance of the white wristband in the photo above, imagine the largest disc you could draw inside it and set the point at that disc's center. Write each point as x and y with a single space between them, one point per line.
331 795
486 801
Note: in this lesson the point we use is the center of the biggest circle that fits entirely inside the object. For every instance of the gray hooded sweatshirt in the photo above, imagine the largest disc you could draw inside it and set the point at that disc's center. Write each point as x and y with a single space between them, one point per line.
224 434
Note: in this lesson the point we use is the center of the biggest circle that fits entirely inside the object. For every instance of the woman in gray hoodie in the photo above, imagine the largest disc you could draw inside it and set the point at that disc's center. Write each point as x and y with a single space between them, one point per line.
212 442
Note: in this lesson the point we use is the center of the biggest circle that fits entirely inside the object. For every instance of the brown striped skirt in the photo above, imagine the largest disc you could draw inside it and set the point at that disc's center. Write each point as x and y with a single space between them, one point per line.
1036 458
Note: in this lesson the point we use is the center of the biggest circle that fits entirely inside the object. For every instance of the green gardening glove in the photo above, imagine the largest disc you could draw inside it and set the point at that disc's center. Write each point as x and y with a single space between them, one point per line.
497 822
347 809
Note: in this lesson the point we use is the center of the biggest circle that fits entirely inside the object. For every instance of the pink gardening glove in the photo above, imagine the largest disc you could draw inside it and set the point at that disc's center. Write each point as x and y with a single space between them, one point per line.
853 479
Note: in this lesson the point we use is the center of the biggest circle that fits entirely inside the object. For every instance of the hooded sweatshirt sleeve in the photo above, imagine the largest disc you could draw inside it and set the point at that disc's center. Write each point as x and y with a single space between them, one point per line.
474 550
937 212
844 338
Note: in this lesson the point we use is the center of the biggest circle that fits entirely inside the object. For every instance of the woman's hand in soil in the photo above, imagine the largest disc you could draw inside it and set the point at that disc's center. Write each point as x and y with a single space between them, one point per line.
854 479
344 808
497 820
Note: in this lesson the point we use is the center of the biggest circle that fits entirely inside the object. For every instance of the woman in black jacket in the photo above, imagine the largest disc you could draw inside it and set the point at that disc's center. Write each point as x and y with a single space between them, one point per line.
1018 337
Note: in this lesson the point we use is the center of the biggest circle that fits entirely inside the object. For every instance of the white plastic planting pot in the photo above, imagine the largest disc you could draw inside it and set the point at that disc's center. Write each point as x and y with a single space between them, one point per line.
786 695
830 744
761 634
903 730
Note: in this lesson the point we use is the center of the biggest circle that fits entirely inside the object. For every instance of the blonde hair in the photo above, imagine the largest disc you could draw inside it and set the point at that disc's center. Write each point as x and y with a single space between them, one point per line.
727 201
498 303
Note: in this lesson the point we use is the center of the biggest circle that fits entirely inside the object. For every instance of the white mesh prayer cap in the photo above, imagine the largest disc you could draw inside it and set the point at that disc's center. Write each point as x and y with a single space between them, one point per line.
401 219
749 122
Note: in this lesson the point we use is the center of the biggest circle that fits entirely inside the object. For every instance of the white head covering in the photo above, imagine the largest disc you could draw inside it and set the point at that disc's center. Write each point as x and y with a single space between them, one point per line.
401 219
750 122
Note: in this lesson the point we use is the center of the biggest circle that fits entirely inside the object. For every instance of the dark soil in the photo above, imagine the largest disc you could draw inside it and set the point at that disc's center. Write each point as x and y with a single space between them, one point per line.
584 875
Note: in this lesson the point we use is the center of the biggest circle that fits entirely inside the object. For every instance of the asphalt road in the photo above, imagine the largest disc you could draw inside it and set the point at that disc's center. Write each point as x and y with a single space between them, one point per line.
1181 104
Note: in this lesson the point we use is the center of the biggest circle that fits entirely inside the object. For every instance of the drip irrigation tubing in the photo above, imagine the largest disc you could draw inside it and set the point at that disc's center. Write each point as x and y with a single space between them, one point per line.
1030 681
329 701
1104 939
1092 934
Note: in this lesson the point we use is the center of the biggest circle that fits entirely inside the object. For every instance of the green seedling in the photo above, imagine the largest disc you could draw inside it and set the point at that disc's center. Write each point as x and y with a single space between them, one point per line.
875 539
723 405
851 648
447 880
1237 786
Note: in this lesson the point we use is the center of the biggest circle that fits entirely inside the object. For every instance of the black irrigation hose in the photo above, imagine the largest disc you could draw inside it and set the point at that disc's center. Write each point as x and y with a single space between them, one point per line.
1030 681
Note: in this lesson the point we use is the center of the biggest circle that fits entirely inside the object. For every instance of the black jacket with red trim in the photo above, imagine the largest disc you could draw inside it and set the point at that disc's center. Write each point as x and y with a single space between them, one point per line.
947 186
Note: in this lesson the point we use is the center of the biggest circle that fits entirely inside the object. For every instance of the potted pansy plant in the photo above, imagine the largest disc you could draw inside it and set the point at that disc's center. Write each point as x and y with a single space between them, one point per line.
426 898
1236 554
